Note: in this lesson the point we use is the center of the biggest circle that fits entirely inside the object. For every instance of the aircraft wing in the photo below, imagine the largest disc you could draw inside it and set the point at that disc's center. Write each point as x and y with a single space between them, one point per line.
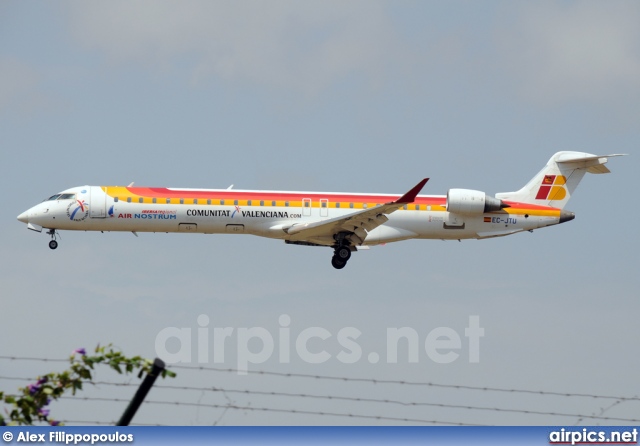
356 224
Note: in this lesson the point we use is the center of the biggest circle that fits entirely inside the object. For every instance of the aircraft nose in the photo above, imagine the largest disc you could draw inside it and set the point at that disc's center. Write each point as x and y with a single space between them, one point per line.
24 217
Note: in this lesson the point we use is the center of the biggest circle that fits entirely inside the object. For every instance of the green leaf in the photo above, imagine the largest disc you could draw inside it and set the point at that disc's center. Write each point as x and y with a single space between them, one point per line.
115 365
26 406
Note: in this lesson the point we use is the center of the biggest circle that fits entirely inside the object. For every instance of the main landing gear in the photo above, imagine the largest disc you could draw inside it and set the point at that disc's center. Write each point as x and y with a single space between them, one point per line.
53 244
341 256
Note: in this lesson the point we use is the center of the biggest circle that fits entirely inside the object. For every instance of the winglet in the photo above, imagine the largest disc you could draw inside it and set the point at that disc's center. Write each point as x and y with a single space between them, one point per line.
410 196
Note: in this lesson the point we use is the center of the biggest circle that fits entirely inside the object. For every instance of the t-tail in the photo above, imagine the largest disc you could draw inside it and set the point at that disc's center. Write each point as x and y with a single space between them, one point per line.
555 183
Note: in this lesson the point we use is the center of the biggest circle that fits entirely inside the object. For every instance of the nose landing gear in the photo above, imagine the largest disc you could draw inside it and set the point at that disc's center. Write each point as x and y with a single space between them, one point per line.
53 244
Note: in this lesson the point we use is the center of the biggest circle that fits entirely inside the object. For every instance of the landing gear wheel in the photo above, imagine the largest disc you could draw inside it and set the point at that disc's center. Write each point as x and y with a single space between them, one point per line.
338 263
53 244
343 253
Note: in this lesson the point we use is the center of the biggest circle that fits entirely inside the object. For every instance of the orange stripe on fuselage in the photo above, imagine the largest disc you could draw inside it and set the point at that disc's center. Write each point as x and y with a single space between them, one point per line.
531 209
438 202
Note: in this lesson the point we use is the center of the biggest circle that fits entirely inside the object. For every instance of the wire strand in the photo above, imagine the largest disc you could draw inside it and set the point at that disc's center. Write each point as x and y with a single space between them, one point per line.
378 401
369 380
337 398
410 383
273 409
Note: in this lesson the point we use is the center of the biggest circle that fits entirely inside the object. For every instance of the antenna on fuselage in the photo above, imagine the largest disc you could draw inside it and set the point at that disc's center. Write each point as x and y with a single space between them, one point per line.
230 187
131 184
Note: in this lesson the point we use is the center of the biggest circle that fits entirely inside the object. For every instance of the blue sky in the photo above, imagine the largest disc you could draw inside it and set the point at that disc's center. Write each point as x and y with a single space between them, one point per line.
338 96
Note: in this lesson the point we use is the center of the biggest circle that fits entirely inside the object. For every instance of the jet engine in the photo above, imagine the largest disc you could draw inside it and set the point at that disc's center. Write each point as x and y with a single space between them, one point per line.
466 201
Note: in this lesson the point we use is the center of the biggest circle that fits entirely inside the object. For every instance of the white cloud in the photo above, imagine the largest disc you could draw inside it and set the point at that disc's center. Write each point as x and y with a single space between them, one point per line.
585 51
299 45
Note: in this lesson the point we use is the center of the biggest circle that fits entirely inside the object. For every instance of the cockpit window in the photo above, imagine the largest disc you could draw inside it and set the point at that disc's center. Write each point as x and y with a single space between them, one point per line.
61 197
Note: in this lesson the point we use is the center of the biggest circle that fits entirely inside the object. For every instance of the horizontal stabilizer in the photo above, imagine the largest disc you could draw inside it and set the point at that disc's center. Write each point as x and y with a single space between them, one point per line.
573 156
592 163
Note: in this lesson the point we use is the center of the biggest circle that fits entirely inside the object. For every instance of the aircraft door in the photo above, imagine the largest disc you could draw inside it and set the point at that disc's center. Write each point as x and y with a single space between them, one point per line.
97 202
306 207
324 207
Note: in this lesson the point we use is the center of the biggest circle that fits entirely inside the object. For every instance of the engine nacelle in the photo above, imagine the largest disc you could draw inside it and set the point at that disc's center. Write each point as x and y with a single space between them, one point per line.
466 201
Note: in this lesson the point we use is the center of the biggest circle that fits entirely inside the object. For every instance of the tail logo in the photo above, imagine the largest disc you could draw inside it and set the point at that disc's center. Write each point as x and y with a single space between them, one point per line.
552 188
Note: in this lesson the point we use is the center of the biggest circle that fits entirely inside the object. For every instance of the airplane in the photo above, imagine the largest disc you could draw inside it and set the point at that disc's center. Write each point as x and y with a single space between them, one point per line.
345 222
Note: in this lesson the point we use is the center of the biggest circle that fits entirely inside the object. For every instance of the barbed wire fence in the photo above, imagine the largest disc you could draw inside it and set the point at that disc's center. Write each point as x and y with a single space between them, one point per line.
359 405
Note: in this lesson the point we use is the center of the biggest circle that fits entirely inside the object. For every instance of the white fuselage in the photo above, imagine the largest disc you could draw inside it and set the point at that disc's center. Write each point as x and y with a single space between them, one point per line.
270 214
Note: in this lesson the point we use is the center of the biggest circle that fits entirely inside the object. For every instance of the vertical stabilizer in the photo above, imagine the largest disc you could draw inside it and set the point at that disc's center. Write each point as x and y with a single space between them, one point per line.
556 182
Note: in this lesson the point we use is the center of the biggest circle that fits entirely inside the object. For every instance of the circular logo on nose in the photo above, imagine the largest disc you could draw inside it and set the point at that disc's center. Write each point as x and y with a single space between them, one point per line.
77 210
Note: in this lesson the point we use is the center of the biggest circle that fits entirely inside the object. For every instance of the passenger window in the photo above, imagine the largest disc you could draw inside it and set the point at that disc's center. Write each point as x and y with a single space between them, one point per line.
249 203
235 202
128 199
337 205
222 202
404 207
168 200
182 201
195 201
154 199
324 204
140 200
307 204
286 203
261 202
351 205
365 205
115 199
209 201
273 203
